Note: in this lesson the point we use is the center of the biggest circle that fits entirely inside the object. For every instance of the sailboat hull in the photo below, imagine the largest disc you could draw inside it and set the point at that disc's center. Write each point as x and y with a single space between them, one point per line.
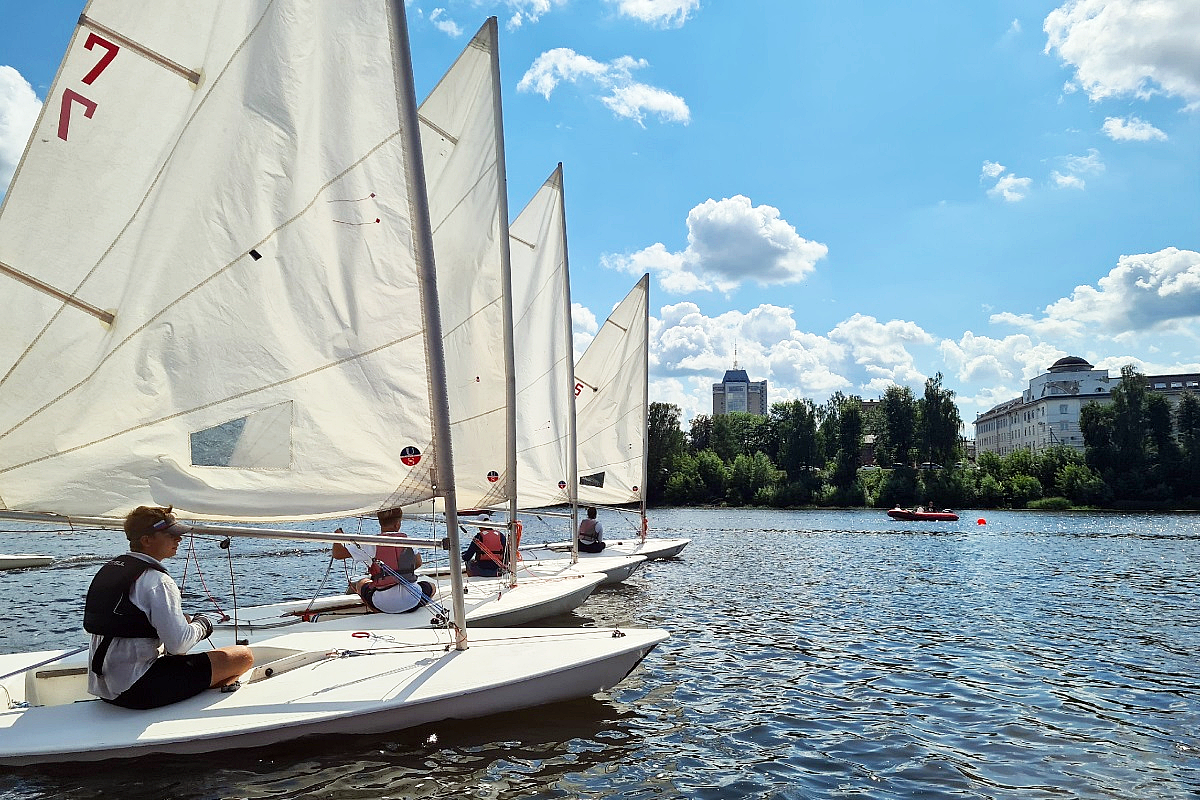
490 603
651 548
23 560
615 568
326 682
546 564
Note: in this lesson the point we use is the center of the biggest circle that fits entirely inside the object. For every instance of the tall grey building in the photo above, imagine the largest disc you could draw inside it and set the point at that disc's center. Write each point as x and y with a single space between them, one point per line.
736 392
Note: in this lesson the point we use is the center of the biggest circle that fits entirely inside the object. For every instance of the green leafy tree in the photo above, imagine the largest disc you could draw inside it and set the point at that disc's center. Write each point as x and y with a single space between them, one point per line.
700 435
938 423
712 474
750 475
897 427
684 487
1120 441
1049 462
1162 449
1187 421
665 448
849 445
1080 484
795 445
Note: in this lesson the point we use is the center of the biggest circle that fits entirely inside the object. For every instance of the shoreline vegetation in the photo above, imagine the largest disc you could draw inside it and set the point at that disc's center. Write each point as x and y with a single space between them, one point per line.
1140 454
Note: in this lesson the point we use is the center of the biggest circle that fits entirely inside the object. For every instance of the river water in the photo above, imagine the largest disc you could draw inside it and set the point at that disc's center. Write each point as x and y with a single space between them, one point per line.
813 654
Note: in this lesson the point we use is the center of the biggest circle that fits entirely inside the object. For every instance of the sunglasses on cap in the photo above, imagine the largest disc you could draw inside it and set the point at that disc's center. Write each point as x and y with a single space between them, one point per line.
171 527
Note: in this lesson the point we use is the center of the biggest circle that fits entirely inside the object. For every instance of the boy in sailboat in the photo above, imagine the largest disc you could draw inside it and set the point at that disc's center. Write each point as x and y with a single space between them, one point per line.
591 533
391 584
133 610
484 557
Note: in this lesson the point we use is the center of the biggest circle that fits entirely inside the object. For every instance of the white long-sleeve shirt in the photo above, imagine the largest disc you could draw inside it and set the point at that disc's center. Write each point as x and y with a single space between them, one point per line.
157 594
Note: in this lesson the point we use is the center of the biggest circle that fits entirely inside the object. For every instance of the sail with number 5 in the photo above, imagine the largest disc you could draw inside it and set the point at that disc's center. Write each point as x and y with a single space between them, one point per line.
611 405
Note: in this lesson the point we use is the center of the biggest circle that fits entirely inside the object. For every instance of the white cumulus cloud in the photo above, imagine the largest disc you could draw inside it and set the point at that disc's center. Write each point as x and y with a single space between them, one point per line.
1142 293
730 241
19 108
665 13
1075 167
531 11
624 96
1129 47
1011 188
859 356
584 328
443 23
1131 130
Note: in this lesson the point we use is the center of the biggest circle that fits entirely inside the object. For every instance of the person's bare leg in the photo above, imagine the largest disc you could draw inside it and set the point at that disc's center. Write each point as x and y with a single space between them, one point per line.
229 663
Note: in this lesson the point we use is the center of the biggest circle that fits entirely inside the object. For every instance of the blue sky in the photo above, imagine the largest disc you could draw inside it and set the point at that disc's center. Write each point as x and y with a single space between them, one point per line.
852 194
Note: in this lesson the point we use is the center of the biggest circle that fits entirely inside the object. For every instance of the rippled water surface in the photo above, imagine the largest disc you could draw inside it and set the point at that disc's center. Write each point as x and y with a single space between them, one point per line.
813 654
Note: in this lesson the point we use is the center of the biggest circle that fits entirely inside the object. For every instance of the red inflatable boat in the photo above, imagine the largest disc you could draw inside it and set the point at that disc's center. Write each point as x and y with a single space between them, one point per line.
923 516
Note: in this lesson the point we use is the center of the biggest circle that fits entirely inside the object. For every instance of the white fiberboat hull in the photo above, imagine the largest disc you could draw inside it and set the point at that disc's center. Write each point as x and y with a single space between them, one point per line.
555 565
490 602
615 568
23 560
650 548
317 683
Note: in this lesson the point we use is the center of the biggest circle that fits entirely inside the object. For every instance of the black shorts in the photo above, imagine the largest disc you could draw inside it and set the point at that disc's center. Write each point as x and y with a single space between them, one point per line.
169 680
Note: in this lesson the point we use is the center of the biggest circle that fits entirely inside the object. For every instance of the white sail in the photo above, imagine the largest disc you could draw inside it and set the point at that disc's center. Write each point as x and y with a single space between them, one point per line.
610 384
265 356
462 141
544 363
248 326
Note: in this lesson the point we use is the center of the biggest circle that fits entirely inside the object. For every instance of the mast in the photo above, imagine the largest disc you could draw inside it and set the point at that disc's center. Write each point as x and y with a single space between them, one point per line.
510 377
573 439
406 102
645 405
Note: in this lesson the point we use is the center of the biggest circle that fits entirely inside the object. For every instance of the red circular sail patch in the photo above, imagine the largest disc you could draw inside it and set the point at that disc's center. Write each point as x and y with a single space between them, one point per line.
410 456
562 484
493 476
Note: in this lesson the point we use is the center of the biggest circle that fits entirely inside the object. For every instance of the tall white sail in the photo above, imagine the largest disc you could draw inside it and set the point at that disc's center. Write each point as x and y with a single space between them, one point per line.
463 145
209 299
610 383
544 363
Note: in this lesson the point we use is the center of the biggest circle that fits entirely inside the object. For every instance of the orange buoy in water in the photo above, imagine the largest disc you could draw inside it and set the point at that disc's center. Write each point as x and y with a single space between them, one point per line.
981 521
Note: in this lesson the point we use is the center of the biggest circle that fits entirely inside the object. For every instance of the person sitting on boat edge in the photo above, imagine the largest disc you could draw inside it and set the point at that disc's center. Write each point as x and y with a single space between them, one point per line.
484 557
591 533
391 584
133 608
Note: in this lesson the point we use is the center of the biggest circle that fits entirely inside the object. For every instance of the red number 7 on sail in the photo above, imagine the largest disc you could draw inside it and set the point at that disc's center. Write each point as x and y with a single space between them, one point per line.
106 59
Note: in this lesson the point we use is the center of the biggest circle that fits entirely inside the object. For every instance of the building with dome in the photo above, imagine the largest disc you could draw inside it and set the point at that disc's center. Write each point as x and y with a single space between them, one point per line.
1047 413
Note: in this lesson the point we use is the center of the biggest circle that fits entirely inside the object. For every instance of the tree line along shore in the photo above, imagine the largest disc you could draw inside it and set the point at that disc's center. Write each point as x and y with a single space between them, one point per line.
1140 452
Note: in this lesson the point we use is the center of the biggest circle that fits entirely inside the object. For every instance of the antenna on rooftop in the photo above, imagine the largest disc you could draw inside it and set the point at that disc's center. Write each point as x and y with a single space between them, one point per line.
735 355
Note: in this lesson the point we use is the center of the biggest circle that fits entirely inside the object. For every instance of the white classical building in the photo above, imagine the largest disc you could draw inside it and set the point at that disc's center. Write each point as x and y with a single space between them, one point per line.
1047 413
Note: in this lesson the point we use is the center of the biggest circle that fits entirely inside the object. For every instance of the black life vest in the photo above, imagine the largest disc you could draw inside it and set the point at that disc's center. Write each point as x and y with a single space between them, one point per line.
109 612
